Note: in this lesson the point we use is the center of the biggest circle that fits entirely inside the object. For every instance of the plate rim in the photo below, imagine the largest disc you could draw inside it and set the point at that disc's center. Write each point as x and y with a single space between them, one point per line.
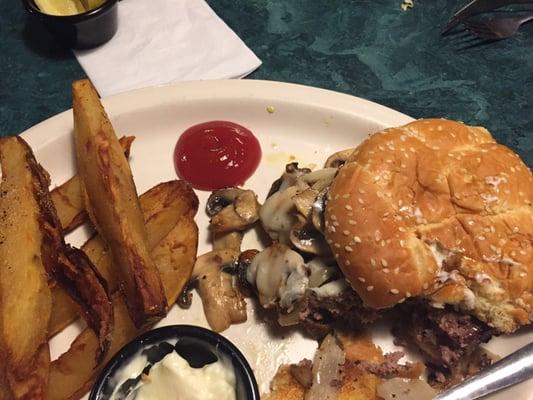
272 91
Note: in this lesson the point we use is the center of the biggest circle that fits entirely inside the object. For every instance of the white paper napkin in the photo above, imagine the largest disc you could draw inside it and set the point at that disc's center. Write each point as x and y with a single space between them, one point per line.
164 41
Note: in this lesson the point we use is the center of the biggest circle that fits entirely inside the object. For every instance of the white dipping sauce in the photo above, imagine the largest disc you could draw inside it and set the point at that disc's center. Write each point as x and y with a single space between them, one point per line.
173 378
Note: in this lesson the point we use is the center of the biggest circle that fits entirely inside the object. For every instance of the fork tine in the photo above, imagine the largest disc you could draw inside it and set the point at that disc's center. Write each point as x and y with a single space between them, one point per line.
480 29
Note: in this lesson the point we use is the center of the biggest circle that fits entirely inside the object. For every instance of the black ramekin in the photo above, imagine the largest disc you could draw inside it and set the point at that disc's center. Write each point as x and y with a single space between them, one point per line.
80 31
188 336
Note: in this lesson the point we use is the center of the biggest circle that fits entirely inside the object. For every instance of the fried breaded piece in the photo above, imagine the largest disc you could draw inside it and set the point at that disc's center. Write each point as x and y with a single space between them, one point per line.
284 386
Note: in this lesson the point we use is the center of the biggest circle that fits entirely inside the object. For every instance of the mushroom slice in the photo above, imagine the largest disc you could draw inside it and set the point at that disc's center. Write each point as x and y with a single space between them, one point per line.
227 240
303 201
306 238
220 199
280 276
278 214
338 159
318 208
223 303
239 214
320 178
288 179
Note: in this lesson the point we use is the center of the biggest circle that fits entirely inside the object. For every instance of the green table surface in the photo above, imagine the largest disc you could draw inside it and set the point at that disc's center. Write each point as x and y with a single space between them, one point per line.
369 48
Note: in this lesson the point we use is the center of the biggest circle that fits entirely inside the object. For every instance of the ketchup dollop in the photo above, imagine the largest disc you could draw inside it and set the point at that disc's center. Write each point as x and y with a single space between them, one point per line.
216 154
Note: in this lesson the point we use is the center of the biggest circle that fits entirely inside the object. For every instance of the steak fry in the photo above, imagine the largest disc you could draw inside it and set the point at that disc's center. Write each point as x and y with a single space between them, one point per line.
25 300
70 267
113 206
68 200
162 207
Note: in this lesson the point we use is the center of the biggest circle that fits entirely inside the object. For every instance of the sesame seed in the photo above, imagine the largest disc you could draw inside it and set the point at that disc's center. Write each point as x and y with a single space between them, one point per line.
361 279
330 241
481 237
425 286
494 248
401 229
351 222
357 239
470 222
347 263
385 270
402 243
337 196
522 274
338 246
373 262
513 253
513 169
360 201
384 262
332 229
395 291
335 223
396 270
348 207
412 150
369 288
407 294
515 229
345 232
333 217
523 252
348 249
492 229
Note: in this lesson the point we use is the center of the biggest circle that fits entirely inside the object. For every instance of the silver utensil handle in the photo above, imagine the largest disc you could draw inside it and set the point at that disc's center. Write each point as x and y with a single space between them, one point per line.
515 368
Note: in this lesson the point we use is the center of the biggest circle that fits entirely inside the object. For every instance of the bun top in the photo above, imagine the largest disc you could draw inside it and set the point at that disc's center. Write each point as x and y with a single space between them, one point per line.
436 209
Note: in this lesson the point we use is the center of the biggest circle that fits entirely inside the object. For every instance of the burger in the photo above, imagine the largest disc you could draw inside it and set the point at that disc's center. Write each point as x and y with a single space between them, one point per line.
430 224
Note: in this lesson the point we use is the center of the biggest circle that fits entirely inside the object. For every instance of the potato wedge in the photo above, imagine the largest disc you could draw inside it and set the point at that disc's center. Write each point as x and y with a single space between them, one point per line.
66 265
25 299
113 206
68 200
64 311
162 206
73 373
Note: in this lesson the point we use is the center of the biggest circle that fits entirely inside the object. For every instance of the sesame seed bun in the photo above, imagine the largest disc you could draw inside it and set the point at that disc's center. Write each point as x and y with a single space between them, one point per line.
436 209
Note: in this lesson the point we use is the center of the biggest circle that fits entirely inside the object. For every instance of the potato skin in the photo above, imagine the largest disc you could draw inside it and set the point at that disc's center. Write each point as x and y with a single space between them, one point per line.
25 299
163 207
113 206
68 199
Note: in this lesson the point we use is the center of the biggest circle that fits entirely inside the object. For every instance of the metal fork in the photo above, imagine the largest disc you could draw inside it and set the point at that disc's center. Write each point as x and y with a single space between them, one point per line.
497 28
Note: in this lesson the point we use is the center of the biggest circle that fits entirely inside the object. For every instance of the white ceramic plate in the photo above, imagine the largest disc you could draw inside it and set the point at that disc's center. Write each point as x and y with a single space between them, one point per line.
307 125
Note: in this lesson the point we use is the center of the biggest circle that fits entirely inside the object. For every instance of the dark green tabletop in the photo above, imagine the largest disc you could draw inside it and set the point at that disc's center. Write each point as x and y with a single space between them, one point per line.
368 48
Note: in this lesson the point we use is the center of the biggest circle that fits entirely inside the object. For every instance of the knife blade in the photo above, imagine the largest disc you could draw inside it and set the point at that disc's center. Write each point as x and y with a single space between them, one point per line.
474 7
